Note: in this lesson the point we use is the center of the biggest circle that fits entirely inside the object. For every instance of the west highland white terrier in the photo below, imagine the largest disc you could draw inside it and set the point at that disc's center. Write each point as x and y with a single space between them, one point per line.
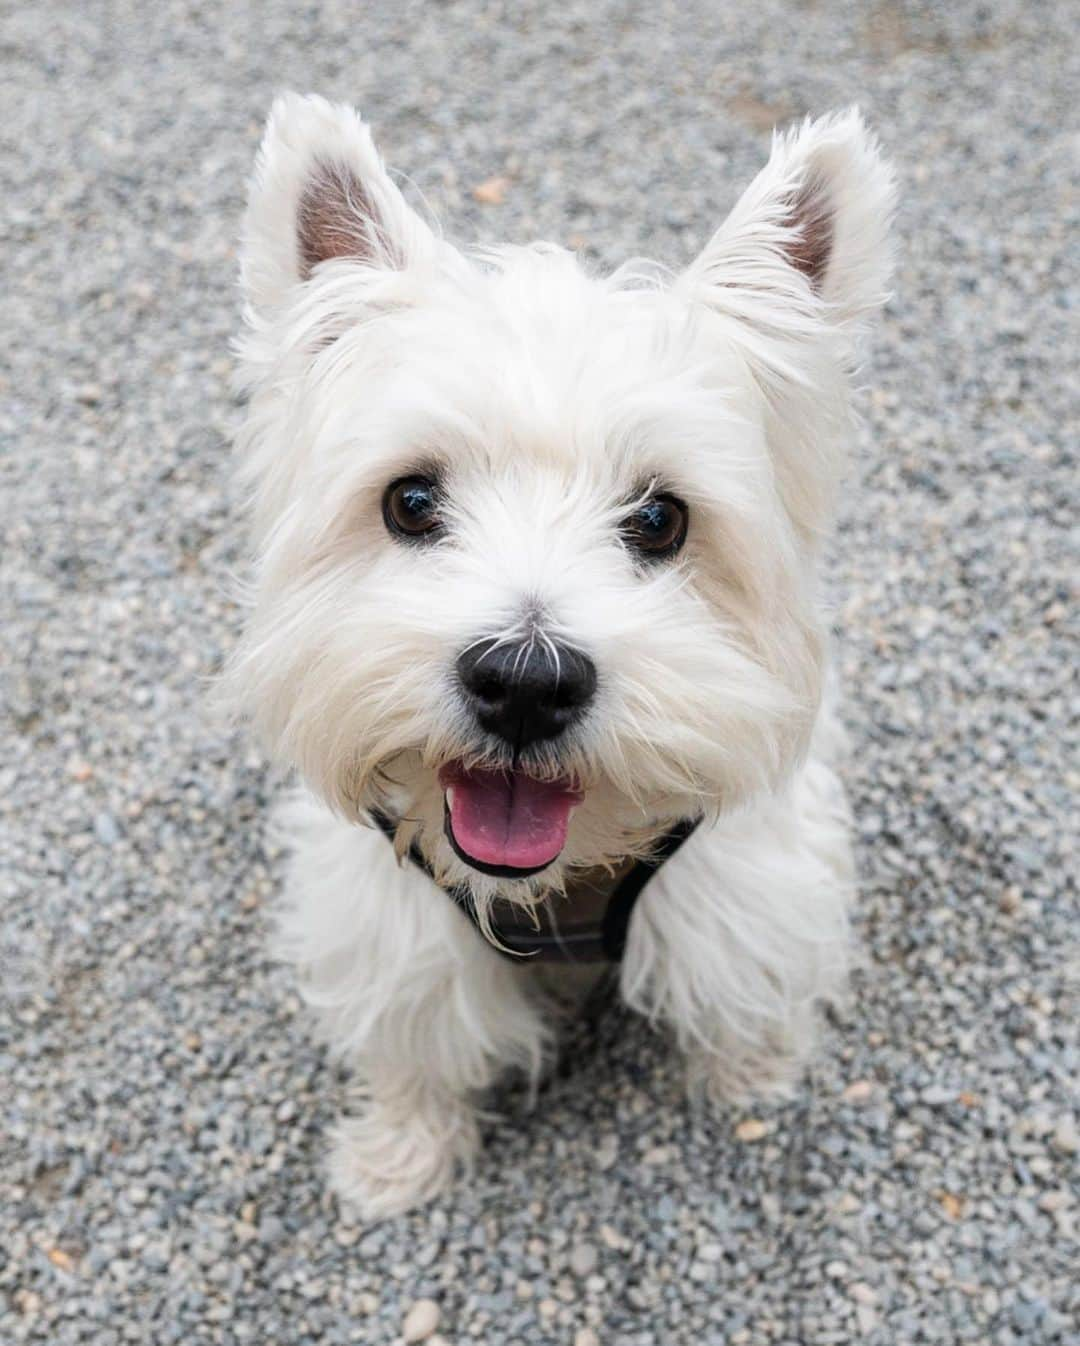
536 616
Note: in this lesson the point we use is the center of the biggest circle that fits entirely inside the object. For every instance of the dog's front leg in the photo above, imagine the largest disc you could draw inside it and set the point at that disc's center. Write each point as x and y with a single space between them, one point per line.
741 937
412 998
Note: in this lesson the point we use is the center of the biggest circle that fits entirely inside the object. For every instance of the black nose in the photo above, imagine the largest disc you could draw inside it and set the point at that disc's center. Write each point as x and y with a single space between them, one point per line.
526 693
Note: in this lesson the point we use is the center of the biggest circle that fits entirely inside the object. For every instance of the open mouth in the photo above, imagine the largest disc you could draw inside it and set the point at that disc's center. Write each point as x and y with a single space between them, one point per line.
506 823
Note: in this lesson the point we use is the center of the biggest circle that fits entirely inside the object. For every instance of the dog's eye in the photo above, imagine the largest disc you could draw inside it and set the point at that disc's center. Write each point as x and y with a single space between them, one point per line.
657 528
411 507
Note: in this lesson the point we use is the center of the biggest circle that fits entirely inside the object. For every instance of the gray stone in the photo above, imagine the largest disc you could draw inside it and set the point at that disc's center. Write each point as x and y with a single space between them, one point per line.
149 1044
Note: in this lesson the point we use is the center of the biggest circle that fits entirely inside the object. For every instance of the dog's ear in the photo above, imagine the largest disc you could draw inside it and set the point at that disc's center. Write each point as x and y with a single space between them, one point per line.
320 192
811 231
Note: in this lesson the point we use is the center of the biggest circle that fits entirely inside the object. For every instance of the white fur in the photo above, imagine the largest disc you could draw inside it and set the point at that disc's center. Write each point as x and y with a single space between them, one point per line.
550 398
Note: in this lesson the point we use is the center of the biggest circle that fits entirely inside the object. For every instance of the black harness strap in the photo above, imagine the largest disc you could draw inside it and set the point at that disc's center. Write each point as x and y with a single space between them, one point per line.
598 939
624 896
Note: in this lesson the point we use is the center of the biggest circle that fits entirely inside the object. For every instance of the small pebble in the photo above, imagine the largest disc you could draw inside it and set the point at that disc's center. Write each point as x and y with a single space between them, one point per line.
421 1320
583 1259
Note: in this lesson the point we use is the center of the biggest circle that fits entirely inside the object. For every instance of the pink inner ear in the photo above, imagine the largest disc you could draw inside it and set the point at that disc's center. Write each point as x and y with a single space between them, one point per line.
812 216
335 218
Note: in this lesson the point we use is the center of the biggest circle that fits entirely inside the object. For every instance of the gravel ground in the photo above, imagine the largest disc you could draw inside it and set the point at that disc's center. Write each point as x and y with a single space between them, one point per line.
161 1096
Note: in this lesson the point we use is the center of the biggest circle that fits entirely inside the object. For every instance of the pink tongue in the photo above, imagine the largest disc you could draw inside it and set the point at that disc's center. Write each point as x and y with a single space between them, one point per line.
508 819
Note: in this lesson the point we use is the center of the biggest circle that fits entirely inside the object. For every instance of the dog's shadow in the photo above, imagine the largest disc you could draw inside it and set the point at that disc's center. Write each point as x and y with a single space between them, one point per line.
601 1047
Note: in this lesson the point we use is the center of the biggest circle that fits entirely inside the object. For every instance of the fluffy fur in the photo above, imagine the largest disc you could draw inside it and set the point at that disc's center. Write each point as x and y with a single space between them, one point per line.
549 399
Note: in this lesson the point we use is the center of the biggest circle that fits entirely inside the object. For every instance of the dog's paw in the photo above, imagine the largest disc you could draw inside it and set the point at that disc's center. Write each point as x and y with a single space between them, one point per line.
724 1078
383 1163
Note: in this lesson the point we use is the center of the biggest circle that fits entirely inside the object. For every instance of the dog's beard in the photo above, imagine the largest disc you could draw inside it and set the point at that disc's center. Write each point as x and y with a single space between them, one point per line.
519 830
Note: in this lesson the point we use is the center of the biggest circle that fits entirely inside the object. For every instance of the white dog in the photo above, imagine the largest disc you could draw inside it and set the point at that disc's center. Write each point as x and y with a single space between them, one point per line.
536 590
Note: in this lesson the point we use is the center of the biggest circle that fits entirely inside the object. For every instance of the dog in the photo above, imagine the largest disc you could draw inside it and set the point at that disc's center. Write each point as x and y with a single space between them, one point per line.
536 592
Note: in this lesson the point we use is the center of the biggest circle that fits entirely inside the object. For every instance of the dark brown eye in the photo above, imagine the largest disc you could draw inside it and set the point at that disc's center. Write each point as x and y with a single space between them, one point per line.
657 528
411 507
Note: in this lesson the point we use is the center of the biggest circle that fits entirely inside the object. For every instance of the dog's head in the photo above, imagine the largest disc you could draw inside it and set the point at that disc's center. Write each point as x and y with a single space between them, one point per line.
537 549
